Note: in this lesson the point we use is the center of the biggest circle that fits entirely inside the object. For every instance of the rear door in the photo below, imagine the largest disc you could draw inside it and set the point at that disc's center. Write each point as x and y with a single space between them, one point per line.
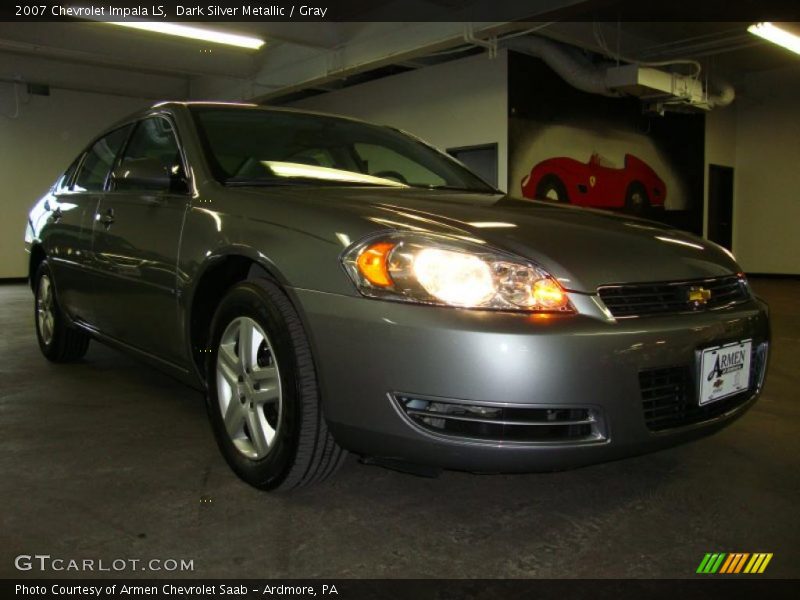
137 229
67 235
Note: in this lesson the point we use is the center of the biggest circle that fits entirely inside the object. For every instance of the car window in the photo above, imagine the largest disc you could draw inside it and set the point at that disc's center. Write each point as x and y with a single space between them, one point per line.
153 146
380 161
264 147
99 159
63 183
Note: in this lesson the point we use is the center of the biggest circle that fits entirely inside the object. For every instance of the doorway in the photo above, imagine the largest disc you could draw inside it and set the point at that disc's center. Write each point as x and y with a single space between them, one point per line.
720 205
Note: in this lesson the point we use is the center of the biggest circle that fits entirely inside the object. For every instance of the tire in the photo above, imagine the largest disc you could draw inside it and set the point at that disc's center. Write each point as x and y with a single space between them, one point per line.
58 340
551 188
637 201
272 388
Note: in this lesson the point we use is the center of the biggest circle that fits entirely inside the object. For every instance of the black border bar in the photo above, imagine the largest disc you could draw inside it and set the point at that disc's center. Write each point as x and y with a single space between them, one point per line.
400 11
708 587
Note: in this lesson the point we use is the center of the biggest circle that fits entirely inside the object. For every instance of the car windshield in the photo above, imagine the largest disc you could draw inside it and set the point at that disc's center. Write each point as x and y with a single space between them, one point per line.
247 146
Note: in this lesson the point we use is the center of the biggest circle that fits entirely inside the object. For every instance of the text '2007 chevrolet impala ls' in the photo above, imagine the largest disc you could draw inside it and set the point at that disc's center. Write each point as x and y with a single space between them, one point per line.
337 286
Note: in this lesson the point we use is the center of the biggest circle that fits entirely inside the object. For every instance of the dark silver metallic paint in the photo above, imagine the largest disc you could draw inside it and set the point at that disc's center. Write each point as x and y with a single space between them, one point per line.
127 267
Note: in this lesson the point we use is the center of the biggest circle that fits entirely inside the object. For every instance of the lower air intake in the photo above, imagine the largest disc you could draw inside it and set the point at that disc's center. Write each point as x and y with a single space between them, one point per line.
503 423
670 397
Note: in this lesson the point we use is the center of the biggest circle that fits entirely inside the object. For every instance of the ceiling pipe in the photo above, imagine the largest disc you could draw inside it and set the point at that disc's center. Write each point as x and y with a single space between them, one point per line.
569 63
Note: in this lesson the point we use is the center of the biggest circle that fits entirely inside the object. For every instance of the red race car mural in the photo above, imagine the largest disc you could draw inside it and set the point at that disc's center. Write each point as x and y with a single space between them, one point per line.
635 187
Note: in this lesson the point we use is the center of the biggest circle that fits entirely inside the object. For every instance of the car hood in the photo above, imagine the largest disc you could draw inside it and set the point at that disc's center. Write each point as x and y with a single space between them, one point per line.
583 248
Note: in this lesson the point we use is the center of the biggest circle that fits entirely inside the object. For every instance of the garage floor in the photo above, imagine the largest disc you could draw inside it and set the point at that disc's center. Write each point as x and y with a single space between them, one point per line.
111 459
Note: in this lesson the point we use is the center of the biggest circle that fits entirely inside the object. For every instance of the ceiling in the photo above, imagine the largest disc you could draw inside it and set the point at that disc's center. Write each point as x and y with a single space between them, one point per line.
306 58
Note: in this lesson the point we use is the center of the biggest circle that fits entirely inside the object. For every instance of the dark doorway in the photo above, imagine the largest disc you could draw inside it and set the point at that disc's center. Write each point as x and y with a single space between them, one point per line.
481 159
720 205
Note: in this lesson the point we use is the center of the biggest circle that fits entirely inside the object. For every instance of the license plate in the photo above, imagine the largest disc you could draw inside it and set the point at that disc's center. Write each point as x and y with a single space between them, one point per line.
724 371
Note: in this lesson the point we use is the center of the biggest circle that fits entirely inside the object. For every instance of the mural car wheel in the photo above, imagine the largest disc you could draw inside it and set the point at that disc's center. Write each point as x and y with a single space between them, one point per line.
552 188
636 199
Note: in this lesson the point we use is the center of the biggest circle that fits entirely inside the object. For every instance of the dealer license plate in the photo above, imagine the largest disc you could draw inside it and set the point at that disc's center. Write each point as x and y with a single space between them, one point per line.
724 371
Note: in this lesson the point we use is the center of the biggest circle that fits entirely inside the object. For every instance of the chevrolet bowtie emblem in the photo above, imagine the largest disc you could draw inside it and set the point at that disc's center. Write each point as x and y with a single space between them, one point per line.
699 296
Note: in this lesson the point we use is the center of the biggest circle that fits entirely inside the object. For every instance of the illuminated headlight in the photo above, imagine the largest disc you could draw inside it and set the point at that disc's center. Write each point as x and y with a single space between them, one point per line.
430 269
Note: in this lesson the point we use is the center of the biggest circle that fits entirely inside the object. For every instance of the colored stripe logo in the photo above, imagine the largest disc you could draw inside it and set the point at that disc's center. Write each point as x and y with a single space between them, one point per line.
734 563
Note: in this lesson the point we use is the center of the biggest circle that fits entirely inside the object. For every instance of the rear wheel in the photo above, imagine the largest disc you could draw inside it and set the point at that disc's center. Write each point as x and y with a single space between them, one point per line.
636 199
58 340
263 397
552 188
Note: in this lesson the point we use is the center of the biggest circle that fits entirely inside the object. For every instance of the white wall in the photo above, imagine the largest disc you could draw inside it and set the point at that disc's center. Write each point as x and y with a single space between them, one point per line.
458 103
767 179
759 135
35 146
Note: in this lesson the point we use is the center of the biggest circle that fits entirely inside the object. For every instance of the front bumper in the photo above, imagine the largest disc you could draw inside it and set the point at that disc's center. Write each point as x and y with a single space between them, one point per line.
368 352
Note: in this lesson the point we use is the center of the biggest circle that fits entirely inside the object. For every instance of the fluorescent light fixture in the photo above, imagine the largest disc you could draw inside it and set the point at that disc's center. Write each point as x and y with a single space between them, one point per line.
194 33
776 35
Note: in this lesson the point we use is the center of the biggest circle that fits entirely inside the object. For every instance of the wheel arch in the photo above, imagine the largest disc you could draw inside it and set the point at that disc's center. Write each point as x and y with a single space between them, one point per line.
38 255
215 277
633 184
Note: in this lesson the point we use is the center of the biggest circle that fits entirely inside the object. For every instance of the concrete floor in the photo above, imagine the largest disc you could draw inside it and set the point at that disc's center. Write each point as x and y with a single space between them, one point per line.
111 459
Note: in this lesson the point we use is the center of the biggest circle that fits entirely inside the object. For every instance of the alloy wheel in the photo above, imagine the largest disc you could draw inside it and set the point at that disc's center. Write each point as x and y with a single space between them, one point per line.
249 388
45 310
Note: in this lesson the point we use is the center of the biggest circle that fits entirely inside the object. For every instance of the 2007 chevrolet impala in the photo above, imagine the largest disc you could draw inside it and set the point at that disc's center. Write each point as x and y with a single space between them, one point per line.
335 285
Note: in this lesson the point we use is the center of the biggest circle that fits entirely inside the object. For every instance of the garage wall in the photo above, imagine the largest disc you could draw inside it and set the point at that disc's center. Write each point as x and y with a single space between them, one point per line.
767 176
459 103
36 145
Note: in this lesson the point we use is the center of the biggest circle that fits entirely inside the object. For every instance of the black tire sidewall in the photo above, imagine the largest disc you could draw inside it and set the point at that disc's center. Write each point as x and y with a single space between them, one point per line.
248 299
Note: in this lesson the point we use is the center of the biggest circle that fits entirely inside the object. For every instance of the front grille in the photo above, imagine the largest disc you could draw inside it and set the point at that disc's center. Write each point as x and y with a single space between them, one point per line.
641 299
503 423
670 396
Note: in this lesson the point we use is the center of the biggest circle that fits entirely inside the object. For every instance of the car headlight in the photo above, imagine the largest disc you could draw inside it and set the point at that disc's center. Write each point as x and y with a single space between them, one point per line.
430 269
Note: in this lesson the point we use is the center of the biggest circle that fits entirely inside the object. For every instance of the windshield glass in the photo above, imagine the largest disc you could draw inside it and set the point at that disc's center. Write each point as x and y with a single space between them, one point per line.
263 147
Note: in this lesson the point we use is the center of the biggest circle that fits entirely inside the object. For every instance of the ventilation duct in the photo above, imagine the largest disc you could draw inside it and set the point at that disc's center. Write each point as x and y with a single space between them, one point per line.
724 96
568 62
659 89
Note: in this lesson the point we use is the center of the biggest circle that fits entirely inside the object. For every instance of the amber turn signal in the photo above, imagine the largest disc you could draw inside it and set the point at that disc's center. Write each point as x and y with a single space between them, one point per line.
373 263
549 295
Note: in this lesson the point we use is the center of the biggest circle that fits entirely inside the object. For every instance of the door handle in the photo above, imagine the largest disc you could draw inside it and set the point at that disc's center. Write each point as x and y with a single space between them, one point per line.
107 219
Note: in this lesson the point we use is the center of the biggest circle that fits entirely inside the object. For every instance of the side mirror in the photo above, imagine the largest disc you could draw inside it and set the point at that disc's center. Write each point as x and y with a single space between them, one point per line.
148 174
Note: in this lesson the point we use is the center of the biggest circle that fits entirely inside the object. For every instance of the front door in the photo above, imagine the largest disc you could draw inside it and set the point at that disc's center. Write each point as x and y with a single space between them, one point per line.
137 229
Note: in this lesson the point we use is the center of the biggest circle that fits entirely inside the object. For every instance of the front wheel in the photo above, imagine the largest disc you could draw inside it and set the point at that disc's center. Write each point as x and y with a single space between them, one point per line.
58 340
263 397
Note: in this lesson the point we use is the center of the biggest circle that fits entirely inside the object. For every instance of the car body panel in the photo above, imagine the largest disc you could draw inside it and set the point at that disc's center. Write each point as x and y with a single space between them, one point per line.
368 349
136 257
